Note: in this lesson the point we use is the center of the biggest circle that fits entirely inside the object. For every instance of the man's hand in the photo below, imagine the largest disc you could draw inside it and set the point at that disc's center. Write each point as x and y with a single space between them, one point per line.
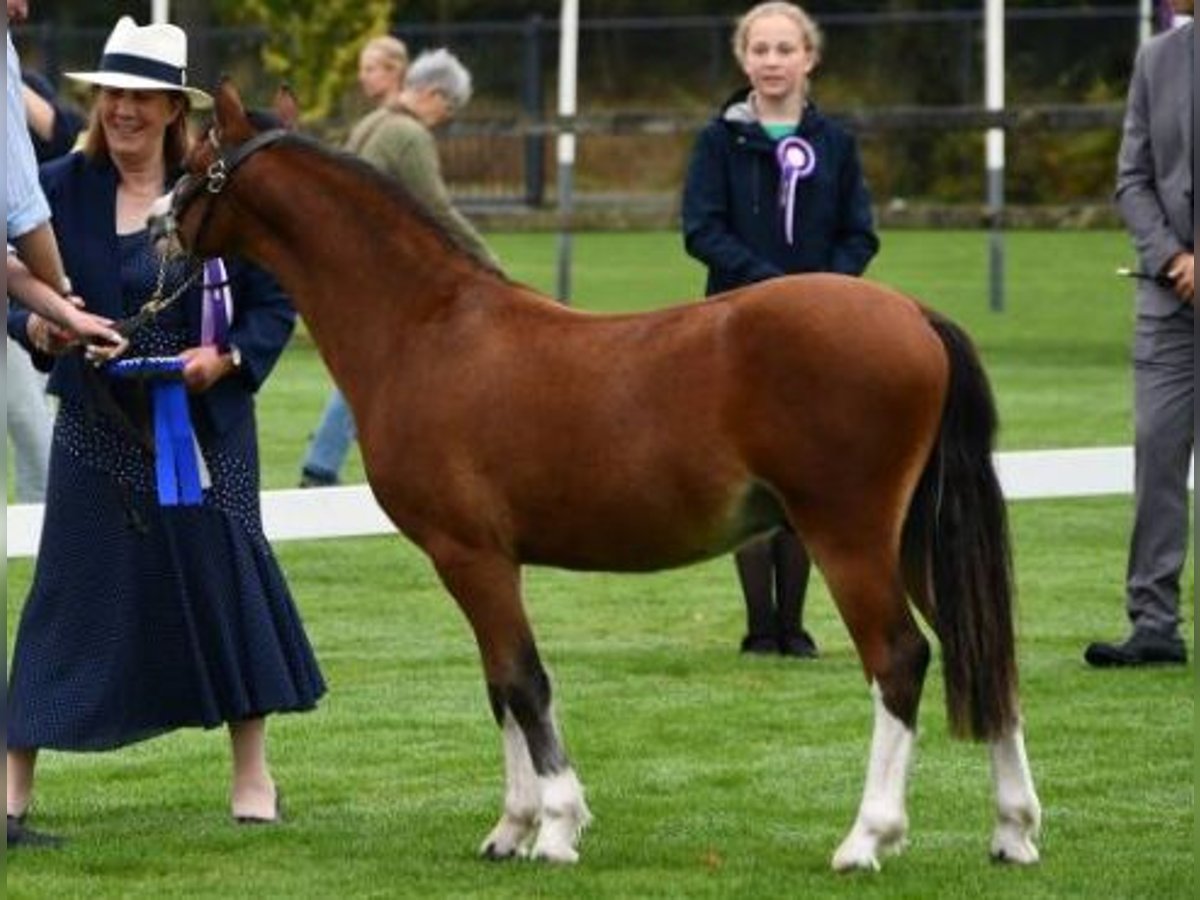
1182 272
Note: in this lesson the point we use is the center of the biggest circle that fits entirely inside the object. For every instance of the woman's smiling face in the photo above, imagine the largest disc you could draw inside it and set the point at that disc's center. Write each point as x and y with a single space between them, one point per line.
134 122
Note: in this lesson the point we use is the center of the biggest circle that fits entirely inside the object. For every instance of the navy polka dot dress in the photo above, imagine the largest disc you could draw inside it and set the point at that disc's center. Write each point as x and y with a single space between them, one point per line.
141 618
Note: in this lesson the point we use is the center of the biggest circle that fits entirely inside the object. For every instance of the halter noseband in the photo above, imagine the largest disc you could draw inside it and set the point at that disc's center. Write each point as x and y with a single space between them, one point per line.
219 172
187 188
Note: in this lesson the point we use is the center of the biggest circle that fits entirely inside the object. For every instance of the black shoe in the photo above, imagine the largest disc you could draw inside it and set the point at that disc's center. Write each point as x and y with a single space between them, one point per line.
800 644
21 836
310 478
1141 649
760 643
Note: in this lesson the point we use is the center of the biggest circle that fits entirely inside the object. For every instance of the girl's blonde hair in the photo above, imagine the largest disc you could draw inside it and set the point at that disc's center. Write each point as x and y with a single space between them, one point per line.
814 41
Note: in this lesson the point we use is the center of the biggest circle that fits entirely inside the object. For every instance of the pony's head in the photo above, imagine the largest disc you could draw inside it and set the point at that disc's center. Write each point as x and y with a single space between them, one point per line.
191 219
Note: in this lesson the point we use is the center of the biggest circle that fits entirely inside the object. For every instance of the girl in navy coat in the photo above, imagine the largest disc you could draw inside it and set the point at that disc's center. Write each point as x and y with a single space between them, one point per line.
775 188
152 610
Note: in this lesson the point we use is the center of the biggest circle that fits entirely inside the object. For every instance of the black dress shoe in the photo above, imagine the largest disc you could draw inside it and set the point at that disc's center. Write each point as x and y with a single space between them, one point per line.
21 836
1143 648
800 645
760 643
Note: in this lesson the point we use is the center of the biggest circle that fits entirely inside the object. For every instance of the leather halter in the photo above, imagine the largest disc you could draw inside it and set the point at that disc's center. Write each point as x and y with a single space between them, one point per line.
219 172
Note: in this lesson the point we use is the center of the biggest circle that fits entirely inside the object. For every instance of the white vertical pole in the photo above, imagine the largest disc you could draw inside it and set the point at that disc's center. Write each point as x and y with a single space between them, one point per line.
568 69
1145 20
160 11
994 102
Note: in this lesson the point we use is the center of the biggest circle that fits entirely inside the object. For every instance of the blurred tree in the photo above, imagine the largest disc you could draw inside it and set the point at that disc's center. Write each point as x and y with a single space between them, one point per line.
313 44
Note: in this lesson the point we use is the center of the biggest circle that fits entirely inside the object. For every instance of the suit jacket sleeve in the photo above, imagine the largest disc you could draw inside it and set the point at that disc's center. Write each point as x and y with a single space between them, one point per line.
1137 188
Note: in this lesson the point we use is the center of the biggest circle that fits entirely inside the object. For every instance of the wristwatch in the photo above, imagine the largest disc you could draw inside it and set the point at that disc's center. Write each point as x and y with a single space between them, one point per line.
235 357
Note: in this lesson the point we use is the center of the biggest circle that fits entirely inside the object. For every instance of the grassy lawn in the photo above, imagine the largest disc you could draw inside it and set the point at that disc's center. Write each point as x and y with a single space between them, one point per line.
710 775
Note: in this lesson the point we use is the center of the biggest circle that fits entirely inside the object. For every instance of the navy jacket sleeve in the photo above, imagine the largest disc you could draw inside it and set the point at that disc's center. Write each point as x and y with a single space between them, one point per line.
707 214
263 320
18 330
856 242
67 122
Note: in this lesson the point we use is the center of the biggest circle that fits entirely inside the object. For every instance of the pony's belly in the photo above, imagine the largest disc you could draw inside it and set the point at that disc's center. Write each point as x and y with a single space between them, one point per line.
636 538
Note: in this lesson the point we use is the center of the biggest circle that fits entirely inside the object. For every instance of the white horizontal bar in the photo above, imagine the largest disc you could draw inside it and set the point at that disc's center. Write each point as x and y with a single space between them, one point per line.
352 511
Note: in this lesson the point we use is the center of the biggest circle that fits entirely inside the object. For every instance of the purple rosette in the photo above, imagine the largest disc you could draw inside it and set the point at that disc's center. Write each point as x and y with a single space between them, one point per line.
797 160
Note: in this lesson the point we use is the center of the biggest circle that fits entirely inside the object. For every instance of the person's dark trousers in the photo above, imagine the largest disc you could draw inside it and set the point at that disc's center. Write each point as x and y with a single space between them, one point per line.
774 576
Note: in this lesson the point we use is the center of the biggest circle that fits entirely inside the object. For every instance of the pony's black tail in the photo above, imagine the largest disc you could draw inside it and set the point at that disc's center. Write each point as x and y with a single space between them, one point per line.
956 551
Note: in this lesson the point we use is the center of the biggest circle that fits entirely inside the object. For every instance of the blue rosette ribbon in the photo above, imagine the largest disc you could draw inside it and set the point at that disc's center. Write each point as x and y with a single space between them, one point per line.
797 159
176 462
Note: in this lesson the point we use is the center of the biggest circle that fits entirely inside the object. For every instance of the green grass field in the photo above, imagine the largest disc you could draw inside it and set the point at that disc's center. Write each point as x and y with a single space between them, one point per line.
710 775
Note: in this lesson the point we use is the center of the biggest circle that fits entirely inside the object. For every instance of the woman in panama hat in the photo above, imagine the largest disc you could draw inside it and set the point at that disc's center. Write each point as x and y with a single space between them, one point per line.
156 604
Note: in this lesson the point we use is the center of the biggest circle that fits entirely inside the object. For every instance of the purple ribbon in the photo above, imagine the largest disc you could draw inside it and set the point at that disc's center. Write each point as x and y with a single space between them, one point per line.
797 160
217 307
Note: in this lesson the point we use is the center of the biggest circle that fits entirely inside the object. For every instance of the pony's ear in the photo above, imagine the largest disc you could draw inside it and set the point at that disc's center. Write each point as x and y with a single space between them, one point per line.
286 106
229 112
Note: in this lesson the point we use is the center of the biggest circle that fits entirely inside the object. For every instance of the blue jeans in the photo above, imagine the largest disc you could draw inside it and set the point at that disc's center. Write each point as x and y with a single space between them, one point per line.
30 420
331 441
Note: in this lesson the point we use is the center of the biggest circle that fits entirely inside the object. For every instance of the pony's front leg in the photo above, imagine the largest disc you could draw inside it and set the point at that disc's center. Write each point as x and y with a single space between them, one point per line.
1018 811
518 825
544 809
561 813
882 823
543 817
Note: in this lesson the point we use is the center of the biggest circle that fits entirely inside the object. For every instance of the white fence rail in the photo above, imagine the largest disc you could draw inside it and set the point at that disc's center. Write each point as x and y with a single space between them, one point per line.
352 511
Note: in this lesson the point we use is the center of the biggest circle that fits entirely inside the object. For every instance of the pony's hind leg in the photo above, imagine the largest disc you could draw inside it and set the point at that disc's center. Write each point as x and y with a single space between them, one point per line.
1018 811
894 656
544 809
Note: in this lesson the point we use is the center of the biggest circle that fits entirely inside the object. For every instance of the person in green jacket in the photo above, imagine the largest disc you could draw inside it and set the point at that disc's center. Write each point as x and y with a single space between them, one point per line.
397 138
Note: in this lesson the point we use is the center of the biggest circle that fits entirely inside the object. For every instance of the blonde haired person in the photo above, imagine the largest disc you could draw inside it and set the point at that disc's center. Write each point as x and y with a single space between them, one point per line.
382 65
774 187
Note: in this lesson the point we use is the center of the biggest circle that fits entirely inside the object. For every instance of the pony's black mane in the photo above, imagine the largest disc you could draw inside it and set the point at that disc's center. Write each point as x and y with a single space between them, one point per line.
392 188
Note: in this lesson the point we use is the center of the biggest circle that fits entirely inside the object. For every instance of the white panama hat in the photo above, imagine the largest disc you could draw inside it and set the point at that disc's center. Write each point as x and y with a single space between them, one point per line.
145 58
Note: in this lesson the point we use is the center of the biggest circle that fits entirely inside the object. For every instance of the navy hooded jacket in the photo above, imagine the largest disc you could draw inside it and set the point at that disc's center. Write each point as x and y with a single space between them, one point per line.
733 217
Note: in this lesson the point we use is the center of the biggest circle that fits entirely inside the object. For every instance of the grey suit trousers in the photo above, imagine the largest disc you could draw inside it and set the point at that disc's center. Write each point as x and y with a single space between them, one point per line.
1164 422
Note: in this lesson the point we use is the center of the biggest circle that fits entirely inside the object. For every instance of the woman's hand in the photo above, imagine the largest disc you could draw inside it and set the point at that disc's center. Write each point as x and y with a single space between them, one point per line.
204 366
103 342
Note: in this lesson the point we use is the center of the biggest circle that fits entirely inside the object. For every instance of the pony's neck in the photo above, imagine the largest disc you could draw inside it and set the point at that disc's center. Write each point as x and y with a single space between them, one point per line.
356 259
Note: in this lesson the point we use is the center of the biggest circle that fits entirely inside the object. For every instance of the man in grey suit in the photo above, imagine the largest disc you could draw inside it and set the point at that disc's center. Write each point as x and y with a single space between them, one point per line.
1154 195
